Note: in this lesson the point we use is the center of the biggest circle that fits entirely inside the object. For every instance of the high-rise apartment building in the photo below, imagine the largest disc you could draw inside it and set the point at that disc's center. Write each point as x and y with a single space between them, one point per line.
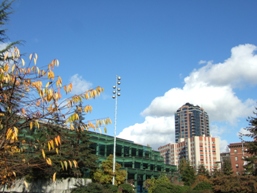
199 150
191 121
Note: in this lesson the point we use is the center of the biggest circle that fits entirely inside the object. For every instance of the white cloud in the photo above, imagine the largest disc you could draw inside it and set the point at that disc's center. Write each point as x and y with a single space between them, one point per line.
211 87
153 131
79 84
243 131
223 146
237 70
202 62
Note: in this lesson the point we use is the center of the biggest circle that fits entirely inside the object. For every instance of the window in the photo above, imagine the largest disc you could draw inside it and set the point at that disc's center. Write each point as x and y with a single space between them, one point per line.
235 150
236 165
235 158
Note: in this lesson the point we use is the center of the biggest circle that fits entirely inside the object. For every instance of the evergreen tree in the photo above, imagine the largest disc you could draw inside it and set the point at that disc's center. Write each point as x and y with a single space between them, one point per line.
203 171
187 172
5 11
226 167
251 166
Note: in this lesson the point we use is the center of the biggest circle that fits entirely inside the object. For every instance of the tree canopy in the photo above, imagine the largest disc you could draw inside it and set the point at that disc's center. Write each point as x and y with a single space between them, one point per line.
105 174
187 172
251 166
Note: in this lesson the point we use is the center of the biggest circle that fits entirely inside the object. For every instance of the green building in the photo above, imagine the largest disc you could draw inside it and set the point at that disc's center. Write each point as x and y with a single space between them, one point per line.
141 162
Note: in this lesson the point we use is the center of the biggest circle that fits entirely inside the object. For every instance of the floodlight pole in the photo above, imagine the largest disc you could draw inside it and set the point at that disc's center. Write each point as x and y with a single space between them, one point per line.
116 93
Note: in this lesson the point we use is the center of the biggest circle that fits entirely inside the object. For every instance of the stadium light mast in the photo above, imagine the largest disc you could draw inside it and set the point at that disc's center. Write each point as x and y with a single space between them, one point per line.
116 93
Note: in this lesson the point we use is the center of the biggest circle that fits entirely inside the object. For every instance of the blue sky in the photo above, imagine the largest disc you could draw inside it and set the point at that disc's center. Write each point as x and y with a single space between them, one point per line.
166 52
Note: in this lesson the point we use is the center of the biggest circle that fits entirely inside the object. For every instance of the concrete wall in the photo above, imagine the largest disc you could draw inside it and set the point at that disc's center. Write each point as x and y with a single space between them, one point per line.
60 186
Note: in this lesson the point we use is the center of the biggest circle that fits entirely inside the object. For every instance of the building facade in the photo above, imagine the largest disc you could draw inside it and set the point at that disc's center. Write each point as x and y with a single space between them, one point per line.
237 153
199 150
141 162
191 121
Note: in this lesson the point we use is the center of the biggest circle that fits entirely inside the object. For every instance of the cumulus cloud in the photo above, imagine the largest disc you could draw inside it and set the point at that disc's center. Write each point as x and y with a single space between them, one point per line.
145 133
212 87
223 146
79 84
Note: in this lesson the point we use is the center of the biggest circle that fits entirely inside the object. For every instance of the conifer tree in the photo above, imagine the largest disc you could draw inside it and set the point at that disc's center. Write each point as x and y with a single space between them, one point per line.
187 172
251 166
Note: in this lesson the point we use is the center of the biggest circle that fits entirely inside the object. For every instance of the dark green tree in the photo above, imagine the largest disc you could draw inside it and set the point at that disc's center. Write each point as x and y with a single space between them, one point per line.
75 145
203 171
187 172
126 188
251 166
226 167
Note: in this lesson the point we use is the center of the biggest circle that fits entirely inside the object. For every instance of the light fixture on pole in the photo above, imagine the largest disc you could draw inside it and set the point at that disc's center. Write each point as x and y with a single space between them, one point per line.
116 93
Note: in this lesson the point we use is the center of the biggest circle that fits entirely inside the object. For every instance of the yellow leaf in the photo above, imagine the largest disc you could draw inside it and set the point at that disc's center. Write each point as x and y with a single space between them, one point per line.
54 177
5 55
62 165
86 95
47 84
9 133
57 151
50 75
36 124
75 163
6 67
31 125
35 55
22 62
56 141
43 154
14 174
59 139
35 60
52 144
72 127
59 82
66 165
49 146
49 161
26 184
13 67
70 163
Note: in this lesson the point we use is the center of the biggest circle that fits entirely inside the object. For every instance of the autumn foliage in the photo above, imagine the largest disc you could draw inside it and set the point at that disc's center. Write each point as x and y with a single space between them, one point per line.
34 98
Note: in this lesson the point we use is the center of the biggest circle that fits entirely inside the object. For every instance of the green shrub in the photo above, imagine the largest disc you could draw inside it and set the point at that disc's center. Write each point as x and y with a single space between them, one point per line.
109 188
95 188
126 188
203 186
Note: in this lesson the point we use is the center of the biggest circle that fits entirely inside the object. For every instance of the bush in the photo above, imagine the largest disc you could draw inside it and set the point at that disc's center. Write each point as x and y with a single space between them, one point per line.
203 186
109 188
96 188
126 188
